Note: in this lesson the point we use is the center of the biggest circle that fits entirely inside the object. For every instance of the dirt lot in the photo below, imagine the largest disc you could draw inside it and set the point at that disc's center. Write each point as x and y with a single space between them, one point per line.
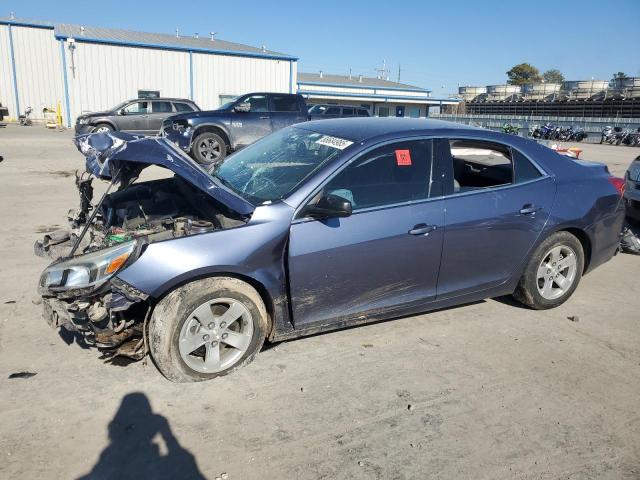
484 391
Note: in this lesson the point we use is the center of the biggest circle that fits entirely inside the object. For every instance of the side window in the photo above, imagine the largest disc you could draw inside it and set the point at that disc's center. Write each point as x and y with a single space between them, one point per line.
161 107
347 112
362 112
137 108
396 173
383 111
258 103
525 170
284 103
183 107
479 164
332 111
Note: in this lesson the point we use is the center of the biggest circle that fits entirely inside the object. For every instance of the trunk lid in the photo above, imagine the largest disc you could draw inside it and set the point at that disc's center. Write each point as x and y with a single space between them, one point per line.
123 156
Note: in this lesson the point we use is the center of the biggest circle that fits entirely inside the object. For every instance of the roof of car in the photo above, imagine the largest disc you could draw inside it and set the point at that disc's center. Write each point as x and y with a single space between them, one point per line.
161 99
361 128
341 106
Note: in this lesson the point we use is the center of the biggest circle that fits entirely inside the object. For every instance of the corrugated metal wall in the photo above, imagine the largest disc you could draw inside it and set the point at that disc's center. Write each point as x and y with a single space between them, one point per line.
6 76
216 75
106 75
100 76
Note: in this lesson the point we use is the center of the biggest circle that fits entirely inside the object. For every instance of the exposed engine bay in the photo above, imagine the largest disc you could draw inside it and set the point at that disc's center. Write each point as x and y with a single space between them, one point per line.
108 313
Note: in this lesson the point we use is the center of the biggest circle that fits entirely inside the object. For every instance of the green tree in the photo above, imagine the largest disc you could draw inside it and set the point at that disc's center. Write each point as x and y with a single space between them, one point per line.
523 73
619 75
553 76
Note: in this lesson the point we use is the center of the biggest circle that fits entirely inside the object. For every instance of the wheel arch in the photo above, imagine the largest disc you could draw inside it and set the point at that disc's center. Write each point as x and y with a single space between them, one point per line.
584 240
213 128
105 121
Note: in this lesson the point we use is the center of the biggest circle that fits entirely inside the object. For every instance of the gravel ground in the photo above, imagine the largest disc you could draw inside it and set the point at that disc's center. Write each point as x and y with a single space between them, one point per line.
483 391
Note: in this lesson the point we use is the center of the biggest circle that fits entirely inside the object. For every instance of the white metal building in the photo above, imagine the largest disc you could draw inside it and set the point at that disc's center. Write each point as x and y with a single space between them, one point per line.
382 97
92 69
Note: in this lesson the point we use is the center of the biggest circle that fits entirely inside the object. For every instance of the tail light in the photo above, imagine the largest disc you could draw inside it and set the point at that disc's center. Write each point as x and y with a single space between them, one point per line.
618 183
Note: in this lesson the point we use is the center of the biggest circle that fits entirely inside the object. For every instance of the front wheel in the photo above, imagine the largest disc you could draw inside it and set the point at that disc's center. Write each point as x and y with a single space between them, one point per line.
102 128
209 148
553 272
206 329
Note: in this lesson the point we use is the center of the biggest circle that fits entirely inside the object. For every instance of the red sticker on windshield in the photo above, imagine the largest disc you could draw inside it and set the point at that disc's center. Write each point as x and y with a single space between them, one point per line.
403 158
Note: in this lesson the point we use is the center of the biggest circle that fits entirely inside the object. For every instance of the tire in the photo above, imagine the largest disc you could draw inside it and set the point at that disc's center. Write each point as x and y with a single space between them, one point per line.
209 148
102 127
175 329
531 286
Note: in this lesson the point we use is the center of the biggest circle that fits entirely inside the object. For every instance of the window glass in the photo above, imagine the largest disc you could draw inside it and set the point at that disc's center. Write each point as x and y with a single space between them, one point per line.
161 107
284 103
183 107
227 100
258 103
362 112
479 164
317 109
525 170
347 112
333 111
414 112
383 111
395 173
137 108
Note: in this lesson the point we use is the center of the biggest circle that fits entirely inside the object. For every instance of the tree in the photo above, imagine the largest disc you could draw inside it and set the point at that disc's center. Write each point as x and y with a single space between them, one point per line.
619 75
523 73
553 76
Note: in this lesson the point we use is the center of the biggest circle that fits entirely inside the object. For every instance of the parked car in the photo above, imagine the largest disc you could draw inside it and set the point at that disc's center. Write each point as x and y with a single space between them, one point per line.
140 115
316 227
632 190
320 112
209 136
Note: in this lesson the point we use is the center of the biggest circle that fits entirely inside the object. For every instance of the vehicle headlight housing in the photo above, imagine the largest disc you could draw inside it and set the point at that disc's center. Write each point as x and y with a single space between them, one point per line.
89 270
83 121
180 125
634 171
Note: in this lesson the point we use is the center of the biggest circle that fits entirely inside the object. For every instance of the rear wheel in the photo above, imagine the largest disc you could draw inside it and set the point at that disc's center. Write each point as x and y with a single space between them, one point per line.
553 272
209 148
206 329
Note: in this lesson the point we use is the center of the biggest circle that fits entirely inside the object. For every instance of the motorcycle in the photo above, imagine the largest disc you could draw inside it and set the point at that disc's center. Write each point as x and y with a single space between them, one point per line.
510 129
24 119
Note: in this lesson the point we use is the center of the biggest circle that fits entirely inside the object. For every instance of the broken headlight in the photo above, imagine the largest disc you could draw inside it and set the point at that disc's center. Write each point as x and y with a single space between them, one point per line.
89 270
180 125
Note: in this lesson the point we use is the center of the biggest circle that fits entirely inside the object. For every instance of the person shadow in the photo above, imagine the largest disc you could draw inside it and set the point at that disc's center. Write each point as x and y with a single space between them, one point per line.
142 445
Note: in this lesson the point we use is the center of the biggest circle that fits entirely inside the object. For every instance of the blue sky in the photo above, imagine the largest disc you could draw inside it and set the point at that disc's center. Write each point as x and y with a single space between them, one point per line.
438 44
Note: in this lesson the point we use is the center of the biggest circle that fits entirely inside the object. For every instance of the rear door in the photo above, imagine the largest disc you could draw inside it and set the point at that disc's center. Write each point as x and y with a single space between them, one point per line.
247 127
285 111
497 204
159 111
383 257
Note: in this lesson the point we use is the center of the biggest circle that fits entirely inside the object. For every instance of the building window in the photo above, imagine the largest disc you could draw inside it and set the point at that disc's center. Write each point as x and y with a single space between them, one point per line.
414 112
383 111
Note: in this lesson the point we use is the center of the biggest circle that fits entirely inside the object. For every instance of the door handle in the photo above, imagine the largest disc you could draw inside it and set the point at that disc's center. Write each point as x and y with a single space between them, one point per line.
264 118
529 209
422 229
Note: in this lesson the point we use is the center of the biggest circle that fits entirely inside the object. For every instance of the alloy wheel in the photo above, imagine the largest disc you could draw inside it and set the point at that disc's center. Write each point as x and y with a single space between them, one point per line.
216 335
210 149
556 272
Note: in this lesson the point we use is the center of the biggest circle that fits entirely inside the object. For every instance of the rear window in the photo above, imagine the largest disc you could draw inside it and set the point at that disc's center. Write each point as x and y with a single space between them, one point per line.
284 103
161 107
333 111
183 107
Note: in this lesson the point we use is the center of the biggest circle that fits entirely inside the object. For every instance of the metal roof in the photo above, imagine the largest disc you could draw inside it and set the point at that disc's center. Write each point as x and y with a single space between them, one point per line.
354 81
90 34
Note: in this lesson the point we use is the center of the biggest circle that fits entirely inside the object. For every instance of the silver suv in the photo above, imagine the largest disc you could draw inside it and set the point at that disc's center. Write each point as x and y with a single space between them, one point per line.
140 115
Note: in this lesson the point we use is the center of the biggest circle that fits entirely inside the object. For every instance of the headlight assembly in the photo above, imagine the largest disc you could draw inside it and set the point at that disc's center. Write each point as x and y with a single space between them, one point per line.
89 270
83 121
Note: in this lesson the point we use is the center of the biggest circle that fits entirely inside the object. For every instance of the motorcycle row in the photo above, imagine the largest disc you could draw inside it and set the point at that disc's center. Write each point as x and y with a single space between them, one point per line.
552 132
618 136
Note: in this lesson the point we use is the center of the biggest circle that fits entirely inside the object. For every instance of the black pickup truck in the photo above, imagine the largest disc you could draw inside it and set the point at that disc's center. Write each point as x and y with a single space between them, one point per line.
209 135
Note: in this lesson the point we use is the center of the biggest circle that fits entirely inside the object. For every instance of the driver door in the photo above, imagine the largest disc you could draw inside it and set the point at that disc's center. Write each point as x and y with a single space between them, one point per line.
254 124
383 257
135 118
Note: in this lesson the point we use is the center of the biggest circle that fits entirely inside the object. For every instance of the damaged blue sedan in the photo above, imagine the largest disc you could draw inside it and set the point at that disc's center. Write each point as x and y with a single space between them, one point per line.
316 227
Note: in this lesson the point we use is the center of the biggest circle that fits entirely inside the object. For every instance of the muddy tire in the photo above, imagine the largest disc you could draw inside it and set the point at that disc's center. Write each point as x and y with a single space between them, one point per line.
553 272
208 149
102 128
207 328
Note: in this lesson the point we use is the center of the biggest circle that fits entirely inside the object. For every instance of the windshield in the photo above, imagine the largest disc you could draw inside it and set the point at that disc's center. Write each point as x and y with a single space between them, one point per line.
118 106
273 167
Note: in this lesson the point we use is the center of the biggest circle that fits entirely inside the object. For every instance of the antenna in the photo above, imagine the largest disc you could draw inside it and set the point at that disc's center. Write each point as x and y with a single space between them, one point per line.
398 73
213 34
382 72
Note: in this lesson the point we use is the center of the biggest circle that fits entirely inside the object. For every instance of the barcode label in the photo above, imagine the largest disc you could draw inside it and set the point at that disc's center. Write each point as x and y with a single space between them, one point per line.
335 142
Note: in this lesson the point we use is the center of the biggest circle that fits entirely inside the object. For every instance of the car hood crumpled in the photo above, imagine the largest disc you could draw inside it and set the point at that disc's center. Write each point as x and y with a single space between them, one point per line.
122 156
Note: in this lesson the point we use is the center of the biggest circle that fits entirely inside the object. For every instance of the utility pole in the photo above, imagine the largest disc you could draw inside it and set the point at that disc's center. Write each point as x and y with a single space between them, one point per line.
398 73
382 71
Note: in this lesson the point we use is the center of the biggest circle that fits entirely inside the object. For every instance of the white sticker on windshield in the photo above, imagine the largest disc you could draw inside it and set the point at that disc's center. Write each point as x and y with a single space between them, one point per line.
335 142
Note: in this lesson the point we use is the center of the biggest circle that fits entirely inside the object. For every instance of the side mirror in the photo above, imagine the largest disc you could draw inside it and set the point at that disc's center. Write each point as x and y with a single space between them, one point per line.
122 111
242 107
329 206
